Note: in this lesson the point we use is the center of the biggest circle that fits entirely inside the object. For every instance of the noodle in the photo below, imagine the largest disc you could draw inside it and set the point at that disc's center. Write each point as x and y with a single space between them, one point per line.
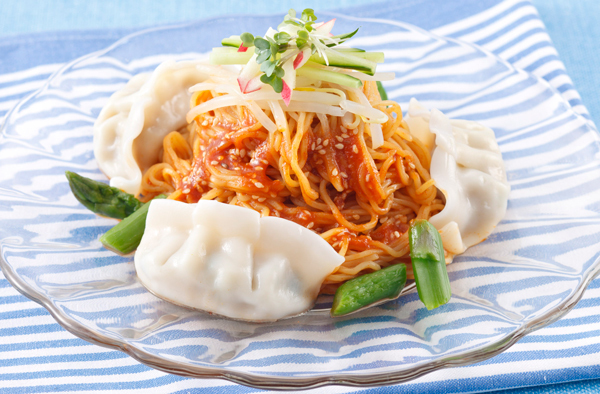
317 170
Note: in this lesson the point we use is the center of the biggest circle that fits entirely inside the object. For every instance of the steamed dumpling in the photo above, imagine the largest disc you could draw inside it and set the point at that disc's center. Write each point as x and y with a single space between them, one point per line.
467 167
129 132
228 260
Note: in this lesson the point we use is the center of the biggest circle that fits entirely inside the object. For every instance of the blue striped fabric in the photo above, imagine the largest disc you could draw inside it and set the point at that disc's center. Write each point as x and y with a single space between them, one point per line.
39 356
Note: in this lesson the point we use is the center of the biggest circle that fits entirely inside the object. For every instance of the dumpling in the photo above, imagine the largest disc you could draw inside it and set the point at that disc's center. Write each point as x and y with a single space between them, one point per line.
129 131
228 260
467 167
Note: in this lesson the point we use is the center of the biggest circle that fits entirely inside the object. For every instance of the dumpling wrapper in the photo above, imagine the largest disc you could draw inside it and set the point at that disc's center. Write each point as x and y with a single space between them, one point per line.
467 167
129 131
229 261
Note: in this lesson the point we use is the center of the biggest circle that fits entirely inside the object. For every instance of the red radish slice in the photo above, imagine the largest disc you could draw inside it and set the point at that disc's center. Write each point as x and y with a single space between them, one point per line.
253 85
286 93
250 70
302 58
242 48
326 27
289 81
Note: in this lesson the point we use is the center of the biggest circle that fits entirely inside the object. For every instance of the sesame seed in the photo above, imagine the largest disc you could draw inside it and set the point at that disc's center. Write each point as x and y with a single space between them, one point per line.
356 217
319 161
326 142
322 151
339 146
224 165
242 152
265 161
343 175
205 123
214 163
186 191
237 168
319 147
318 140
383 219
355 131
255 197
334 172
202 148
368 177
344 130
354 149
259 185
262 199
412 165
340 139
259 168
397 234
185 179
345 135
310 225
313 146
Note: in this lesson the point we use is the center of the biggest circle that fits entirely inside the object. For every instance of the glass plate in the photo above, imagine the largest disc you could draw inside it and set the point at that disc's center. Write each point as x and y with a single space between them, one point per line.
528 273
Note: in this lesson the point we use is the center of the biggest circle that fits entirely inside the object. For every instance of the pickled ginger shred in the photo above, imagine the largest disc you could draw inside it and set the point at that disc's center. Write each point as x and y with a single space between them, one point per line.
227 260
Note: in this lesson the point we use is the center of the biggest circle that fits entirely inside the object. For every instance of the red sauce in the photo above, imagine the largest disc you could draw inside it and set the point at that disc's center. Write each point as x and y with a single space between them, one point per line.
246 168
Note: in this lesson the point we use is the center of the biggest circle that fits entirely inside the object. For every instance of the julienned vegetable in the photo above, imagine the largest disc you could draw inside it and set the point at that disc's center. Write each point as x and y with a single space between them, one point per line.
387 283
429 264
101 198
127 234
280 55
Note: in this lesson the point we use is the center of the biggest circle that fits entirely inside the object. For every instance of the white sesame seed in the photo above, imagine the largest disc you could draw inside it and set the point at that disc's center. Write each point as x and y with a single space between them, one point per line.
310 225
334 172
202 148
368 177
205 123
242 152
326 142
356 217
397 234
254 197
259 185
322 151
313 146
259 168
265 161
412 165
354 149
340 139
319 147
262 199
355 131
214 163
345 135
343 175
383 219
339 146
318 140
186 191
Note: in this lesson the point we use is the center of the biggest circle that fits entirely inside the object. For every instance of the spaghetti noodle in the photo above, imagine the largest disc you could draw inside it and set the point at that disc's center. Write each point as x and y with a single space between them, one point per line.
318 170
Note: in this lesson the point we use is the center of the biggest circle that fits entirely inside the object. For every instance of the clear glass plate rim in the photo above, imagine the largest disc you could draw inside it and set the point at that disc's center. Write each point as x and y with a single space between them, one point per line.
273 381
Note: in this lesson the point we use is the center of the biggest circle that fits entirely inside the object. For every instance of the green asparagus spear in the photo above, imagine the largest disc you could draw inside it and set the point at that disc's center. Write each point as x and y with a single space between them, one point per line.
125 237
387 283
102 199
429 264
382 91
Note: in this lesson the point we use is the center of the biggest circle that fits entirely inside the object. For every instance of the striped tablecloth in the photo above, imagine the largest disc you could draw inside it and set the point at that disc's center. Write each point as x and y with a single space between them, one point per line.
37 355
